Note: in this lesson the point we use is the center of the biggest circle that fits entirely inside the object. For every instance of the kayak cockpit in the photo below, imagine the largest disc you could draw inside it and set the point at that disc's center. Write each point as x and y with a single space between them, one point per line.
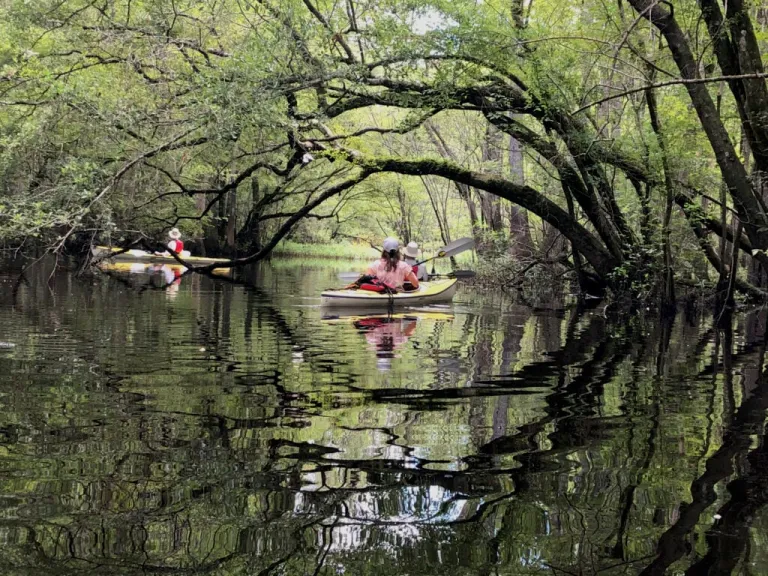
434 292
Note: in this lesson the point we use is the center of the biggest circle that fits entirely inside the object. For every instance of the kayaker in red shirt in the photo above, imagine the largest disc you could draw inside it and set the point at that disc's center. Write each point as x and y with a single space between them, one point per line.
175 244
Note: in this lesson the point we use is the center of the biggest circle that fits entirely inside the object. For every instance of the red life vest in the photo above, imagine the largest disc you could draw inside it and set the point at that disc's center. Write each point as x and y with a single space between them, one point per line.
369 323
376 285
177 245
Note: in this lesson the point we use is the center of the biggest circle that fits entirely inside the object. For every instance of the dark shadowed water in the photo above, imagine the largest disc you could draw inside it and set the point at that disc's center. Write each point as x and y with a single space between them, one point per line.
216 429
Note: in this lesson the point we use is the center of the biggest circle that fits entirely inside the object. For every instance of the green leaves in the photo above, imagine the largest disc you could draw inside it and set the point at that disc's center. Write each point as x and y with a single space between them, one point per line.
87 88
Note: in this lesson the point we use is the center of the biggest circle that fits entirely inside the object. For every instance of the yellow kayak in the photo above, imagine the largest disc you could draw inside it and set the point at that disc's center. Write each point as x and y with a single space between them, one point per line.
117 254
435 292
148 267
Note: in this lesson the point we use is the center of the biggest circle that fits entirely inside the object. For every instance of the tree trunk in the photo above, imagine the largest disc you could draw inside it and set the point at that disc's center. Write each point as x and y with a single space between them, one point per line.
521 243
249 236
434 202
668 281
581 277
200 204
405 221
221 224
490 204
231 221
518 13
214 232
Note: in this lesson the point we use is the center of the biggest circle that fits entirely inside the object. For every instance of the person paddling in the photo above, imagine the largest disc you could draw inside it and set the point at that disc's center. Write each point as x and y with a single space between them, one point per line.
411 253
390 270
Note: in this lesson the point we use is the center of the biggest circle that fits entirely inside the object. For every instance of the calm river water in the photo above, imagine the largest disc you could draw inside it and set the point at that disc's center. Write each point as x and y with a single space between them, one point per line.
217 429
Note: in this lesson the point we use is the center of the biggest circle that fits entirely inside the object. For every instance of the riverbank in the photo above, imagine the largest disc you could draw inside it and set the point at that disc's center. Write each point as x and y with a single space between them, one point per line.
340 251
356 251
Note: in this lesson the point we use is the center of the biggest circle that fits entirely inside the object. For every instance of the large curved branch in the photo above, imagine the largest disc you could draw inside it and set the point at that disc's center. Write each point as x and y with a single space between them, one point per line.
584 241
466 58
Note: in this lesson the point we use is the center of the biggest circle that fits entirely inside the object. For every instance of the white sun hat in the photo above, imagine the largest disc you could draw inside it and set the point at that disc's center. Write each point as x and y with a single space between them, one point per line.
174 233
412 250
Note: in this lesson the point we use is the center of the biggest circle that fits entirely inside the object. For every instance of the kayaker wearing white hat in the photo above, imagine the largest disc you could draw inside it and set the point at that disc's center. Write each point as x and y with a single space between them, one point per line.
411 253
390 269
175 244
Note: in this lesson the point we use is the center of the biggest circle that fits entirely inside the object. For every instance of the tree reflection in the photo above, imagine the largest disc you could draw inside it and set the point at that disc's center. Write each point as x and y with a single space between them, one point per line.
140 436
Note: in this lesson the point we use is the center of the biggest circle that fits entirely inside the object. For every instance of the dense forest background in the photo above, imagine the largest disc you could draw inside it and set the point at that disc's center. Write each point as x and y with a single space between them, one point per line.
624 143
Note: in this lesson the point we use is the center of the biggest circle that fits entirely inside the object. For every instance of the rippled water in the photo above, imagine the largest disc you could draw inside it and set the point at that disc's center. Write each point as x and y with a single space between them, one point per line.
213 428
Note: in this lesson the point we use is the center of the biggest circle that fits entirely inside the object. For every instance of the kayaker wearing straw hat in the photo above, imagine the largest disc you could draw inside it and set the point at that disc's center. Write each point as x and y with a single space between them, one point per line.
411 253
175 244
390 269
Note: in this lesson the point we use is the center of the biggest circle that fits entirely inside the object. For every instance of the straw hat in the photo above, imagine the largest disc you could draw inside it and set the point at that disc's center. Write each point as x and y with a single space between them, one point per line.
174 233
412 250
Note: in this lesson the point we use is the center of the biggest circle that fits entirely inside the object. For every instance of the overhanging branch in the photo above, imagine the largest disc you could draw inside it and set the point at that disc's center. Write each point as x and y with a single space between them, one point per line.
525 196
678 81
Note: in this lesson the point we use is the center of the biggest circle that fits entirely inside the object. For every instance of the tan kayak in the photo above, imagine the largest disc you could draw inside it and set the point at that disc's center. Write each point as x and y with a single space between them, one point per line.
436 292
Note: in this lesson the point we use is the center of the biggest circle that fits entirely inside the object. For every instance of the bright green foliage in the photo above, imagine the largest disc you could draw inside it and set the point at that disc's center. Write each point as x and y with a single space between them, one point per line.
121 119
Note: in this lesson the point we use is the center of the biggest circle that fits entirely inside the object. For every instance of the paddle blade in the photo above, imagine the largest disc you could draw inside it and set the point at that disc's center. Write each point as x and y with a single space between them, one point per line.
349 276
457 246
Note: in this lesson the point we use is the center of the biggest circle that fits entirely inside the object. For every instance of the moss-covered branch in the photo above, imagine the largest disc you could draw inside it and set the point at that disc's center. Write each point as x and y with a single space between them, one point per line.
527 197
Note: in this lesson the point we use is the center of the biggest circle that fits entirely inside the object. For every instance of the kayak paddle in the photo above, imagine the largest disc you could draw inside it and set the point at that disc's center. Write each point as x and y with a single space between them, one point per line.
455 247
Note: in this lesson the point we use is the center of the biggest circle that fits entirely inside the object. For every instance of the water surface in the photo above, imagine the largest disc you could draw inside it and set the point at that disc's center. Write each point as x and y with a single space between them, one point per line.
220 429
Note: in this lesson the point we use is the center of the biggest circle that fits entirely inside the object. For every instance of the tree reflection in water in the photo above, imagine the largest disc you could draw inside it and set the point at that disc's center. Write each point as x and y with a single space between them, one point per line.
142 435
